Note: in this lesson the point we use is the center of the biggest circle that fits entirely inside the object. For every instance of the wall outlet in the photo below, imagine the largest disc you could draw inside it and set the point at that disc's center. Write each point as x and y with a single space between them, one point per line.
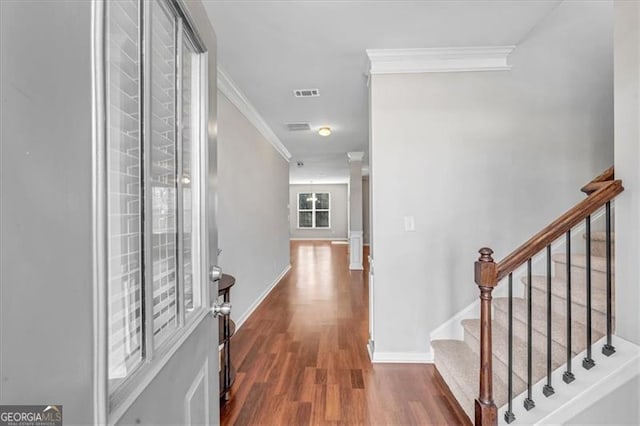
409 224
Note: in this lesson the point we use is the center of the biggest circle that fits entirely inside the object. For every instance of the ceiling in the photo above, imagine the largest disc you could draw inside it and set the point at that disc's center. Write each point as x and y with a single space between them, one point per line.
270 48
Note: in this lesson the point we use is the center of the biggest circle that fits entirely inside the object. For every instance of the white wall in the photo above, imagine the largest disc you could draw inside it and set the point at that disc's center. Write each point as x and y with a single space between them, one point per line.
627 162
482 159
252 207
339 211
46 291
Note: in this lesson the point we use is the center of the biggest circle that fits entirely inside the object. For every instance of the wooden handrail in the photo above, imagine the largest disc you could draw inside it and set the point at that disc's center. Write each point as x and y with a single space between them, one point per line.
605 176
592 187
560 226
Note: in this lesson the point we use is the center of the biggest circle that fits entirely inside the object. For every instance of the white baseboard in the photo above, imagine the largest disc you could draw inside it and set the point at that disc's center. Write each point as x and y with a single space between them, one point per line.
402 357
589 386
259 300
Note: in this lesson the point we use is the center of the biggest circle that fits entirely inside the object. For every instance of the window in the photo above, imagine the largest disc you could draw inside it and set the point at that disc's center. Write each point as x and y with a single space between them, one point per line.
153 184
124 186
314 210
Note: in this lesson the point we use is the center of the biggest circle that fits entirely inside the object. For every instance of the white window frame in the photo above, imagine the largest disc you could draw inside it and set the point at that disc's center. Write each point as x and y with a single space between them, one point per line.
313 210
114 398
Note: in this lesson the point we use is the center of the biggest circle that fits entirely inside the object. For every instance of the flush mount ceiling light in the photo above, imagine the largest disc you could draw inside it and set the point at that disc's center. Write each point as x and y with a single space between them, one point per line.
324 131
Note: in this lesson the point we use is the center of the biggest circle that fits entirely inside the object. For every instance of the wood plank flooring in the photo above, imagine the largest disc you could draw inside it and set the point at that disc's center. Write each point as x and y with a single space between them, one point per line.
301 357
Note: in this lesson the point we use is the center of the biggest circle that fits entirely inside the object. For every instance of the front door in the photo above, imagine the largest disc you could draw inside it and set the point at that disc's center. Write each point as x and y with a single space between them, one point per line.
178 378
108 172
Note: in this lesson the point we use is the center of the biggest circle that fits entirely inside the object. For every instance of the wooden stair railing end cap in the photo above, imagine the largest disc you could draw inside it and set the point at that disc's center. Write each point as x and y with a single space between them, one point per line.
485 269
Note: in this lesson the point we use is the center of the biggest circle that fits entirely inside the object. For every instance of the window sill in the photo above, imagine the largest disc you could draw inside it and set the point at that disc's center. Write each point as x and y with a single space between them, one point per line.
126 394
314 229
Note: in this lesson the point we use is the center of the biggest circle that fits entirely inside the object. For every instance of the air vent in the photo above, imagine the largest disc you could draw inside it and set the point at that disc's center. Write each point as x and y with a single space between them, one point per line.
298 127
306 93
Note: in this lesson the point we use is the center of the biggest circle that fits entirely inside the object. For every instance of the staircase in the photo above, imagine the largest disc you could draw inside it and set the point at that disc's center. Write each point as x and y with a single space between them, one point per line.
545 321
458 360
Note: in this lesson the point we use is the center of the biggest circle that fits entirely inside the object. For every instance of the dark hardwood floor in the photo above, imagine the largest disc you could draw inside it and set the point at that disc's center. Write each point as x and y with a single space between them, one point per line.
301 357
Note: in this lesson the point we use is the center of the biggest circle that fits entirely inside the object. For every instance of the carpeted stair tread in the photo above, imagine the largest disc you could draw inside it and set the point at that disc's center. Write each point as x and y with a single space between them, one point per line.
500 363
578 291
579 260
459 366
501 351
578 301
455 362
465 401
578 311
539 327
599 243
600 236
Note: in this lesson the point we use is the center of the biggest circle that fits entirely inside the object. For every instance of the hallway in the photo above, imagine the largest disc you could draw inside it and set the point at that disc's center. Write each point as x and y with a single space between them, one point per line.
301 357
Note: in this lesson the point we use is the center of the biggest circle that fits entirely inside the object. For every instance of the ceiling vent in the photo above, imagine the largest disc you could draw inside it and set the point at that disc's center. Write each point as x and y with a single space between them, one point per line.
306 93
298 127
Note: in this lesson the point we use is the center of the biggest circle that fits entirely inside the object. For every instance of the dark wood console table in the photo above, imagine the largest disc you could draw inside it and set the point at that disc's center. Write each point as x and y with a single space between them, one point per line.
227 329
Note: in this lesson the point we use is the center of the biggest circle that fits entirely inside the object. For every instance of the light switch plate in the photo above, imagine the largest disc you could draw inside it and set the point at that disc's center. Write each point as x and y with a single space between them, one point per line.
409 224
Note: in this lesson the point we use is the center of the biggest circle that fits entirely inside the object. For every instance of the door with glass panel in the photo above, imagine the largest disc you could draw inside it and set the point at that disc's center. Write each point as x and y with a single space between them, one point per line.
162 340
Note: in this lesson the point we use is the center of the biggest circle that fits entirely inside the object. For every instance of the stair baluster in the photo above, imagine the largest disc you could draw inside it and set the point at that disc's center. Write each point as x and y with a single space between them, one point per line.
508 415
608 349
547 390
528 402
568 376
588 362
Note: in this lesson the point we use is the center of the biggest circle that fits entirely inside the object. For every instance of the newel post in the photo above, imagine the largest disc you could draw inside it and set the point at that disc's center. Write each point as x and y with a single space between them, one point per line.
486 278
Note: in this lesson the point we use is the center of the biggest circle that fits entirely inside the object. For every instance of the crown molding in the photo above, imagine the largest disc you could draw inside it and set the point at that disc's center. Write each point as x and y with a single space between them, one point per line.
231 91
319 181
355 156
448 59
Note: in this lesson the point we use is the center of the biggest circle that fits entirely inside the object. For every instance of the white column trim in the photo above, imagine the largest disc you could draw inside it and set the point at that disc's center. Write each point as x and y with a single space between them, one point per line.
355 156
448 59
355 250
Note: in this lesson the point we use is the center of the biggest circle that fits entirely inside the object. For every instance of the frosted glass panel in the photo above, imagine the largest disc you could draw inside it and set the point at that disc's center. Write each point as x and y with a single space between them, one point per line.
190 184
163 172
124 182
